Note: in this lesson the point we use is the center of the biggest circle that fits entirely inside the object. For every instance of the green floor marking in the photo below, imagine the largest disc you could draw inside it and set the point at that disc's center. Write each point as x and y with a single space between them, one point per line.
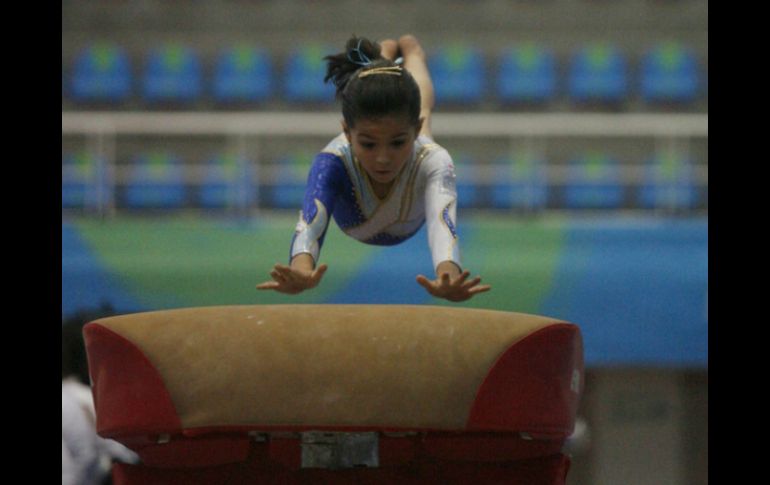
517 257
208 262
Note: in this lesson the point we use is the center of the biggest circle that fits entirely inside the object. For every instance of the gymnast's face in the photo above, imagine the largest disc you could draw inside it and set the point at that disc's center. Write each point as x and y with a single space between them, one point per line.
382 145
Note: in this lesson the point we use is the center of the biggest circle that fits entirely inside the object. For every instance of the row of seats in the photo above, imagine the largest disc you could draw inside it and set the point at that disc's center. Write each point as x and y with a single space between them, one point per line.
593 181
157 180
526 73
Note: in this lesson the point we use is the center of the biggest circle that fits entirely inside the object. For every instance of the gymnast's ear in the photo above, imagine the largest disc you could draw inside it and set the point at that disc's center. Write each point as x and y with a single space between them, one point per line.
346 130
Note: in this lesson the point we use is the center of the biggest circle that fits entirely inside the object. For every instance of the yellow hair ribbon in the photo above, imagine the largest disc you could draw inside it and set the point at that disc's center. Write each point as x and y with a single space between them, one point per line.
392 70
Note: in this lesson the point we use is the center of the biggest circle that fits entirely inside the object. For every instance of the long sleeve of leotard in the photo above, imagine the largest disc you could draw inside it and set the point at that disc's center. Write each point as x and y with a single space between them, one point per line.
441 209
323 184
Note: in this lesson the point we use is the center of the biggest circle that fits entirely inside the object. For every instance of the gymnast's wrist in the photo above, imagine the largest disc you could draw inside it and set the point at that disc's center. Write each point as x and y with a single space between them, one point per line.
450 267
303 262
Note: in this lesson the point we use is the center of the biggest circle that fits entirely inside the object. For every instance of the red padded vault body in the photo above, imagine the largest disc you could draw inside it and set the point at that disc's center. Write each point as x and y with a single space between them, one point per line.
337 394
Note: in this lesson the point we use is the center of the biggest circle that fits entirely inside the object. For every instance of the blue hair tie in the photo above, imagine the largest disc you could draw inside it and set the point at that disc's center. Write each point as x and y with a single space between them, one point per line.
363 59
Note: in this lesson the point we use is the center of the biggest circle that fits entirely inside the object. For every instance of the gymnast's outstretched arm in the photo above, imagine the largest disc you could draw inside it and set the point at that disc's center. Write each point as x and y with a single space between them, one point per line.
451 281
303 273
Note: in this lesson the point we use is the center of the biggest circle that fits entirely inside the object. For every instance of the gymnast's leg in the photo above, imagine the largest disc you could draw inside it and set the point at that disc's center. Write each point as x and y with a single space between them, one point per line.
389 49
414 62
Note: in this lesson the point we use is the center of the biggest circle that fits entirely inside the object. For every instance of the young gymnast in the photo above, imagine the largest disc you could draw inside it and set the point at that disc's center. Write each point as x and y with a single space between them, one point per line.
383 177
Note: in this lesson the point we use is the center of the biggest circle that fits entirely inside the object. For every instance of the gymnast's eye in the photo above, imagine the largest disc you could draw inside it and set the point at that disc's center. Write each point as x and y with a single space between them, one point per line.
398 143
367 145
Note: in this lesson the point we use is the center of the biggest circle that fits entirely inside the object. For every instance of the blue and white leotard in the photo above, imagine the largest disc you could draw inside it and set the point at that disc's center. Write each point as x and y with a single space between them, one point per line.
424 191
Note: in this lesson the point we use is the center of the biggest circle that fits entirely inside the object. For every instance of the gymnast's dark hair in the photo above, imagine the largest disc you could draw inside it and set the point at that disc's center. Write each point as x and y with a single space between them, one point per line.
371 96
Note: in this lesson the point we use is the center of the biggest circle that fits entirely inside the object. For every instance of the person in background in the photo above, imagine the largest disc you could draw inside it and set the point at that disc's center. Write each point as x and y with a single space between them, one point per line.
86 458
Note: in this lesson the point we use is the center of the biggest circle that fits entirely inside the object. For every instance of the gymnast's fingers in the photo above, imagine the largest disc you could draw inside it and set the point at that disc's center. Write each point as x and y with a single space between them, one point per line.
320 270
425 283
460 279
445 279
277 276
289 274
471 283
268 285
315 277
283 269
479 289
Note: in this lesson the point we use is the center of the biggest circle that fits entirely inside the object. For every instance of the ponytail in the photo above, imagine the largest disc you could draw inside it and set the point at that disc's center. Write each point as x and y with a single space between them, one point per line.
359 52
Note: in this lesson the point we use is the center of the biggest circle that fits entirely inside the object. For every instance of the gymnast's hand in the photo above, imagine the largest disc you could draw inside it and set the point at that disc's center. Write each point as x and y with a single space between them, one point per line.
451 284
294 279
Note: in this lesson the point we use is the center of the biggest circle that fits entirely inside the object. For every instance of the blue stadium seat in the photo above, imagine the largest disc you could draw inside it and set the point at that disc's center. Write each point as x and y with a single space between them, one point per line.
594 182
520 183
83 184
155 181
668 183
527 74
304 75
669 73
598 73
172 74
243 74
470 191
458 74
227 183
287 188
101 73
